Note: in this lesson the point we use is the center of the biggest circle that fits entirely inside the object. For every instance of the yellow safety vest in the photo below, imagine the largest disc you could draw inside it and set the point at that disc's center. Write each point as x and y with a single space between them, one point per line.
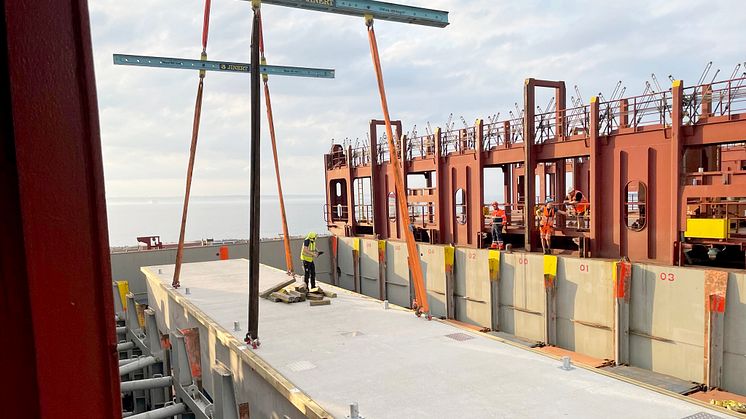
311 247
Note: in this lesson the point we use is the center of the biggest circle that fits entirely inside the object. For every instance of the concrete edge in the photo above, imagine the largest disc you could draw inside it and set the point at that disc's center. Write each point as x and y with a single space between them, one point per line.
293 394
605 373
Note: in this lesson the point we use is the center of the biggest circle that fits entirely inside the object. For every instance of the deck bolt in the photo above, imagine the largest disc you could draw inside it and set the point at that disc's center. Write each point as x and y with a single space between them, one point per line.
236 326
385 304
186 291
566 363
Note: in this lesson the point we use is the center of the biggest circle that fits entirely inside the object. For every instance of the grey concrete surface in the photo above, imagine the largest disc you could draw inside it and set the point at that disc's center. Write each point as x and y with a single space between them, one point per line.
396 365
126 265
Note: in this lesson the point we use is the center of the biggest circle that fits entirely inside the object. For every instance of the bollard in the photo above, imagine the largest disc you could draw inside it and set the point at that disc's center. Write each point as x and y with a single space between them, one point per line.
236 327
355 411
385 304
160 271
186 291
566 363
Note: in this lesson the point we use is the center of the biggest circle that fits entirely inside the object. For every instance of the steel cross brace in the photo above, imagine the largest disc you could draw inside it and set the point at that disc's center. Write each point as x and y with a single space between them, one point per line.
222 66
377 9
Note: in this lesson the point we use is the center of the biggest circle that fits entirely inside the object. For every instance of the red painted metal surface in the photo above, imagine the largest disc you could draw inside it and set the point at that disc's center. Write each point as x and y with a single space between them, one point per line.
682 147
55 250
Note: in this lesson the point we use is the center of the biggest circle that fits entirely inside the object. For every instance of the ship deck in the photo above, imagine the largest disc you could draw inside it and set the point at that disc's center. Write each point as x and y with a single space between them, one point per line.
396 365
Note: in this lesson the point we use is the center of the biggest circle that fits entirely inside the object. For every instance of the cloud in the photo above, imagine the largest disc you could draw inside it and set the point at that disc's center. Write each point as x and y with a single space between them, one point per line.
475 67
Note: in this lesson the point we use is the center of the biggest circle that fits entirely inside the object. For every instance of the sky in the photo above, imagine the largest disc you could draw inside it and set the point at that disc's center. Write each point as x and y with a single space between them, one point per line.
474 68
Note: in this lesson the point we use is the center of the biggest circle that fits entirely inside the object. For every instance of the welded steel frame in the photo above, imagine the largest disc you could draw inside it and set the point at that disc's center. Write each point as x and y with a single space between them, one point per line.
606 145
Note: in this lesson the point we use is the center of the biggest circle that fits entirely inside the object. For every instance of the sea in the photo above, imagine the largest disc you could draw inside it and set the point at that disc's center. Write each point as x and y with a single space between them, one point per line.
210 217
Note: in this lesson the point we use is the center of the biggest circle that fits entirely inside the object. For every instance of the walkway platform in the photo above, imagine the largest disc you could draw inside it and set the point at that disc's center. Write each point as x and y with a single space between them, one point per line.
318 360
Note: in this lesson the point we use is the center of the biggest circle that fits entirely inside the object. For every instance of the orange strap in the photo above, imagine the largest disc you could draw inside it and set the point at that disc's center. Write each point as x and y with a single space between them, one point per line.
192 151
270 118
414 256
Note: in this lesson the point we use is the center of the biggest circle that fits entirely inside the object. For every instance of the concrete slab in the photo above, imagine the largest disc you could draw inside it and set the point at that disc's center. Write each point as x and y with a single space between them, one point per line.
396 365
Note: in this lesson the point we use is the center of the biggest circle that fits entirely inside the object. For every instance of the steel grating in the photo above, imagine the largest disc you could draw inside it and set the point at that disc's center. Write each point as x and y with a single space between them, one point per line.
459 336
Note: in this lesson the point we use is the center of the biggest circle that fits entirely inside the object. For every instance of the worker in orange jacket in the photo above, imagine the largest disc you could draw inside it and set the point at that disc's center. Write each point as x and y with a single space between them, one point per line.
499 218
578 202
546 225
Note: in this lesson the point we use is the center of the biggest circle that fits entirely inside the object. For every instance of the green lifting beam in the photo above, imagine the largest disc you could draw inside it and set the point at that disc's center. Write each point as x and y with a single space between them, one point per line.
377 9
224 66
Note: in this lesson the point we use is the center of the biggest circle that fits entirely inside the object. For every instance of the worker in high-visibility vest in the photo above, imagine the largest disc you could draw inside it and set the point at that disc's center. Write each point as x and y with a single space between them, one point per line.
578 202
307 255
498 220
546 225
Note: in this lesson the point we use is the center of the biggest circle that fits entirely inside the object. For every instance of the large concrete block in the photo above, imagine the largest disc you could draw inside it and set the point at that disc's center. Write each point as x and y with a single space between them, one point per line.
345 263
667 320
433 269
397 274
734 337
585 306
522 295
369 271
472 287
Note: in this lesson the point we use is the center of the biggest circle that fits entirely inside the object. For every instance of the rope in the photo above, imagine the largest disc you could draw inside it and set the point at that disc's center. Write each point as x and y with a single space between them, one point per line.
270 118
421 305
192 149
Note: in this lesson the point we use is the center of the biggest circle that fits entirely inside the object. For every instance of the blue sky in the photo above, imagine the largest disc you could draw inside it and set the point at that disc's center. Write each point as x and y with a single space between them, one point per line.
473 68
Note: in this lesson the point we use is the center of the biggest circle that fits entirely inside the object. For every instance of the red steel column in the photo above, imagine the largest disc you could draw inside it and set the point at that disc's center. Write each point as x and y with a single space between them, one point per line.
677 91
55 272
594 194
529 162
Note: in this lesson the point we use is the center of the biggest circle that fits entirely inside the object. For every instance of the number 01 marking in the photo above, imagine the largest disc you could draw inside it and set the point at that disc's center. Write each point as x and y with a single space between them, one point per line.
584 268
667 276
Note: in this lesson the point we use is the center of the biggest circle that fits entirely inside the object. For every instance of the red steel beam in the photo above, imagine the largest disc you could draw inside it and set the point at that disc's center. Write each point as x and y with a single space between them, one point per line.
56 276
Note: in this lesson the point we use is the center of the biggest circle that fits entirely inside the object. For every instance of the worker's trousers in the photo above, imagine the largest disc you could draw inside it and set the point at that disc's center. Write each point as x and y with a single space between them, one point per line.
497 232
309 272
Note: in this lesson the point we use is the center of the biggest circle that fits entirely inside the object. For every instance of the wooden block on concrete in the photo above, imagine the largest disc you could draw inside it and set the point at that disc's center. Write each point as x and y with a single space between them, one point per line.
330 294
314 303
315 297
295 294
301 288
282 297
266 293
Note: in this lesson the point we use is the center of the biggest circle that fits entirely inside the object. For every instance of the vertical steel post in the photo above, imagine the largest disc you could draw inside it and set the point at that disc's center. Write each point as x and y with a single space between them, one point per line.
253 332
677 147
594 195
529 163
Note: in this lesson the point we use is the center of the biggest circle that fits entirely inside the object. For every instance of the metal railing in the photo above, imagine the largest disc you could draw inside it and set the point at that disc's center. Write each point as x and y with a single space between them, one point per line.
364 213
333 213
714 178
419 147
494 135
723 98
449 142
516 130
576 121
360 156
734 212
422 213
513 213
634 112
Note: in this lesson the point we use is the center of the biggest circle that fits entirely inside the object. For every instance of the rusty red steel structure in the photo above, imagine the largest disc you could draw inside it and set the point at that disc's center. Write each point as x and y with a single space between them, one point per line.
643 162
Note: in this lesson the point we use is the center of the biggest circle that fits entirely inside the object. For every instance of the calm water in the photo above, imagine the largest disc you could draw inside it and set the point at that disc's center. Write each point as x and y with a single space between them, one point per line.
222 217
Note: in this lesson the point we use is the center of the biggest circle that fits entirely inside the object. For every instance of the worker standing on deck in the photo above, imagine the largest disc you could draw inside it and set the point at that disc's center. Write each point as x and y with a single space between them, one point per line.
546 225
579 204
498 219
307 255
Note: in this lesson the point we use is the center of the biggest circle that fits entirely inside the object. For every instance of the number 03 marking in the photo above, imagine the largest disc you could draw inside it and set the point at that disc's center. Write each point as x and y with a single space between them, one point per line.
667 276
